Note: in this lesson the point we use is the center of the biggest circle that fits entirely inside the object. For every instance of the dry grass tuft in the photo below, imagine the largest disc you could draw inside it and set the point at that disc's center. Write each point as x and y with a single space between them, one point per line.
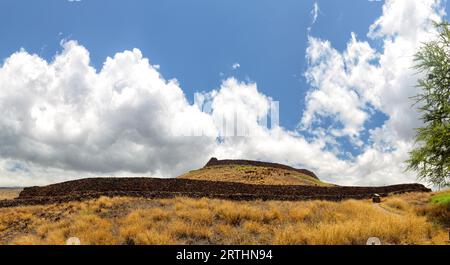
403 219
9 194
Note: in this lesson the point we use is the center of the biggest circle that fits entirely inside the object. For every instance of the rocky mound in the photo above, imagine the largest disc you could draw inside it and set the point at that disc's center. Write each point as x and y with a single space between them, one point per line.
215 162
253 172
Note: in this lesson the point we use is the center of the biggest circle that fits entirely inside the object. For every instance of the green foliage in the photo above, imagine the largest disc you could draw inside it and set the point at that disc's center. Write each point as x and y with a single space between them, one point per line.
431 160
441 198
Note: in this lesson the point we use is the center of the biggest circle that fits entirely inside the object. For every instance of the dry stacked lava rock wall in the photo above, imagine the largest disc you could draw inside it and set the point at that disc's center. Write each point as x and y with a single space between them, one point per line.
168 188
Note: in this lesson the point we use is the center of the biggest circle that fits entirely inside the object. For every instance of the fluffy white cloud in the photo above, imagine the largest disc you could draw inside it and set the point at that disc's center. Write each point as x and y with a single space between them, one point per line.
337 79
65 115
63 119
349 86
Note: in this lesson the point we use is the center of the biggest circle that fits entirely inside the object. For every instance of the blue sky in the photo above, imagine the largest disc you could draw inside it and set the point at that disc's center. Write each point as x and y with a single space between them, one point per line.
193 41
340 70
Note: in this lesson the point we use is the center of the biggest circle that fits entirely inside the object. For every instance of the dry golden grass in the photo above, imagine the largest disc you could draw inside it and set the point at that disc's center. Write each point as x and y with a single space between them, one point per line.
404 219
8 194
253 175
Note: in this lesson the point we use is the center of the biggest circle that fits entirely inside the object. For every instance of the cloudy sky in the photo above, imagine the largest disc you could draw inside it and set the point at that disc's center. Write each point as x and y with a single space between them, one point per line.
144 88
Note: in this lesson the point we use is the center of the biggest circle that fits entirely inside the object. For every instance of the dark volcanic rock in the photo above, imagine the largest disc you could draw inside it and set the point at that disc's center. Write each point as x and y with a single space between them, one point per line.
376 198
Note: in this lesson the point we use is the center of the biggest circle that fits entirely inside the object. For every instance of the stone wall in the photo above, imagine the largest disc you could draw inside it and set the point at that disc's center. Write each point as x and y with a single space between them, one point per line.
84 189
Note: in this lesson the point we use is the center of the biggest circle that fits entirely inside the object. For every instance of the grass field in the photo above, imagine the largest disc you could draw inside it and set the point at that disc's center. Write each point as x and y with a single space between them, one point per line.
404 219
8 194
443 197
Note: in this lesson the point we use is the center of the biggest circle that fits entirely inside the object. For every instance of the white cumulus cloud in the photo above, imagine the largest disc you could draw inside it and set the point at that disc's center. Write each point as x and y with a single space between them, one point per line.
65 115
350 86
